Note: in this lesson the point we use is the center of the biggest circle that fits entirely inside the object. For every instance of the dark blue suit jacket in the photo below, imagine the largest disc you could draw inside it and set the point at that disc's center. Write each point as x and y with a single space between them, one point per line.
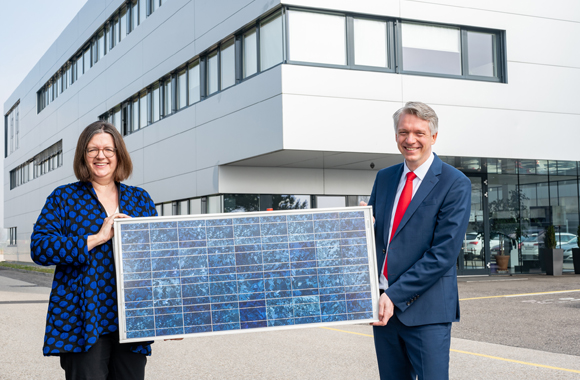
423 251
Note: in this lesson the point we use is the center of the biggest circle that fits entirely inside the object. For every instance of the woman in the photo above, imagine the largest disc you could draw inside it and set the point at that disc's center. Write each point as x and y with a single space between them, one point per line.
74 232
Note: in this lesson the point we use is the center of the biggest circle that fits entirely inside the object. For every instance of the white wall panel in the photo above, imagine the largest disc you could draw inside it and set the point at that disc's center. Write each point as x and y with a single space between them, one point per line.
337 124
340 83
557 9
254 180
349 182
531 88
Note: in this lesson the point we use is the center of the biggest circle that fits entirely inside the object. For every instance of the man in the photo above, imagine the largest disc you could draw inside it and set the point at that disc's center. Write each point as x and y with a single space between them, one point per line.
421 208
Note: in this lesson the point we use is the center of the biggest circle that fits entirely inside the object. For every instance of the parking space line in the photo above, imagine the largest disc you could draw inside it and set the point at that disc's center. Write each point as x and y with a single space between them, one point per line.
475 354
520 295
516 361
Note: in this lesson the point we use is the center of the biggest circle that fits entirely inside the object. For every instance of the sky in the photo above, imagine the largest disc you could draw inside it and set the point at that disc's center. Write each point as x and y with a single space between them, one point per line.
27 30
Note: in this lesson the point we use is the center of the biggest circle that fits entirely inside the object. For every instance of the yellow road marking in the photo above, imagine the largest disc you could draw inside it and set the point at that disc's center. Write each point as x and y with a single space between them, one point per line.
350 332
520 295
474 354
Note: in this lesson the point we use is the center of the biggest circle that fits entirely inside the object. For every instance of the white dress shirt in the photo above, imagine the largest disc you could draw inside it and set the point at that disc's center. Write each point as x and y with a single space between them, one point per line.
420 172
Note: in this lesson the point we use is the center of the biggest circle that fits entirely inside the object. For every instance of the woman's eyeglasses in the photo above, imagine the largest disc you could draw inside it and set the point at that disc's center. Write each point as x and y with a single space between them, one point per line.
94 152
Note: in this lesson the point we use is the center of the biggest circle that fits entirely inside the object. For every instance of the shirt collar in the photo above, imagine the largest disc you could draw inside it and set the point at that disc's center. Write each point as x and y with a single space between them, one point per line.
422 170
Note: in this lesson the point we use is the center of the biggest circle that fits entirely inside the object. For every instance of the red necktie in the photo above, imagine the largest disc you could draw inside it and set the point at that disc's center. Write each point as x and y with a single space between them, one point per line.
404 201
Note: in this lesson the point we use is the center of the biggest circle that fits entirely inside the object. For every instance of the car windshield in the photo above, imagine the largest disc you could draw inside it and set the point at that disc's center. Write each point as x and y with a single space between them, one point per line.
565 238
530 238
471 236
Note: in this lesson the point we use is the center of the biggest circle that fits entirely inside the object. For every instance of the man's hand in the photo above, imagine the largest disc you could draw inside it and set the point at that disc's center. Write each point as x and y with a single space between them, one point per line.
362 203
386 310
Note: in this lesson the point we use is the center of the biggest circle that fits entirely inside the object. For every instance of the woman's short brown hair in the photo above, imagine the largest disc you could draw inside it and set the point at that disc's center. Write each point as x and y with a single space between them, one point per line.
124 164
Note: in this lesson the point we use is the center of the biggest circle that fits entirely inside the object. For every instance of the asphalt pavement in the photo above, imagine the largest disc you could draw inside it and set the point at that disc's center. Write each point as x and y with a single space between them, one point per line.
518 327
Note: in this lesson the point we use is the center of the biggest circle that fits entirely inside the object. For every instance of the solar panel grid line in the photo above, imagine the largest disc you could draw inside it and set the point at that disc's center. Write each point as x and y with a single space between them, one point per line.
302 262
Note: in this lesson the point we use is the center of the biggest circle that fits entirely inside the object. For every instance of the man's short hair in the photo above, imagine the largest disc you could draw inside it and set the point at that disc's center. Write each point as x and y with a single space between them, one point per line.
422 111
124 164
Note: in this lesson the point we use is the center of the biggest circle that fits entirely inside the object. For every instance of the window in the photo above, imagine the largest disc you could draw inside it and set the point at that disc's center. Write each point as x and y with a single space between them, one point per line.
44 162
181 89
167 97
134 115
69 74
250 63
116 120
317 37
143 110
193 77
115 34
481 54
431 49
228 64
13 237
271 42
101 44
212 72
183 207
154 5
142 11
123 23
86 59
155 102
370 43
56 87
134 14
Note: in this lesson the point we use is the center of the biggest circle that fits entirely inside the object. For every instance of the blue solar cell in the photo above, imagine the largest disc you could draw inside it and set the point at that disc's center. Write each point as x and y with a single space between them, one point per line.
202 274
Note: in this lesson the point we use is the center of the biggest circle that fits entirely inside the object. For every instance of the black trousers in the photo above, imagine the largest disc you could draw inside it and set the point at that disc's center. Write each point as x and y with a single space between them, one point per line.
107 359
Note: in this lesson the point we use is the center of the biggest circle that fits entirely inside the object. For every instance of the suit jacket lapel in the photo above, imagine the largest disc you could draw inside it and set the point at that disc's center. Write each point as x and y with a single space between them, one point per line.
428 183
391 189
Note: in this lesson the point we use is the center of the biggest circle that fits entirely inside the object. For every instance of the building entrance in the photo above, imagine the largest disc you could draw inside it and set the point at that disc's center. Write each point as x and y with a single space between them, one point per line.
474 257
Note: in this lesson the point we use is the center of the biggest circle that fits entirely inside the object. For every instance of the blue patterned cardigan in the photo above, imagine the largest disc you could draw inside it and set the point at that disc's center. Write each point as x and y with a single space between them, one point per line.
83 300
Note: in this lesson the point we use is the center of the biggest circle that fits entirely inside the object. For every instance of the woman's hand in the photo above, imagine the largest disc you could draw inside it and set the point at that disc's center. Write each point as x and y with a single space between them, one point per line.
106 233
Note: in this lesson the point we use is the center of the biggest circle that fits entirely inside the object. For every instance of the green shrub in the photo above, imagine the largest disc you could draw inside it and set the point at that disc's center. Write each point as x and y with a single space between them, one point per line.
550 239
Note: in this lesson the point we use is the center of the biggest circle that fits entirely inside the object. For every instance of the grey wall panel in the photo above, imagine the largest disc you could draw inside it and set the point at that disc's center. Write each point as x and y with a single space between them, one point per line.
91 94
176 124
123 77
375 7
137 159
207 181
245 133
248 93
216 20
178 187
68 113
170 157
174 30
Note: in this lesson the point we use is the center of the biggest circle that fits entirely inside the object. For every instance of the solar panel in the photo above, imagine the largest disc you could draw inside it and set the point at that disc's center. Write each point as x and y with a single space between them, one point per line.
195 275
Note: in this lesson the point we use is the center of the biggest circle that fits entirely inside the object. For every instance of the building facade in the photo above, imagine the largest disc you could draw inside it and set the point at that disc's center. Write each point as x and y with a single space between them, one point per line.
239 105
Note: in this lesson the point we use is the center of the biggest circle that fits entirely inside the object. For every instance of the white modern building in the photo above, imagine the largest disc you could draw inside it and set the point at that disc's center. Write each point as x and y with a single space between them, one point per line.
245 105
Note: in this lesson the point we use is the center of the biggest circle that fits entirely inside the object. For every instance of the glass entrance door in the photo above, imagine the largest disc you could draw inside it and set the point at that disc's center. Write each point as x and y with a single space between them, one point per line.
474 255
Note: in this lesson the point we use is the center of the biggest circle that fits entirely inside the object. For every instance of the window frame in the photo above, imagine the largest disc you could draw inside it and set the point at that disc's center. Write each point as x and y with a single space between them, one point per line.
498 51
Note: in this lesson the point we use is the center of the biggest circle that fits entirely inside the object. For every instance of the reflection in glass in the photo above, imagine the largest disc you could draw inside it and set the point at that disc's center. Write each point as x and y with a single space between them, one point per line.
155 103
480 54
183 207
195 206
271 42
241 202
117 118
168 208
431 49
505 201
181 89
472 255
115 32
212 72
284 202
194 93
214 204
228 64
316 37
143 110
370 43
250 53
